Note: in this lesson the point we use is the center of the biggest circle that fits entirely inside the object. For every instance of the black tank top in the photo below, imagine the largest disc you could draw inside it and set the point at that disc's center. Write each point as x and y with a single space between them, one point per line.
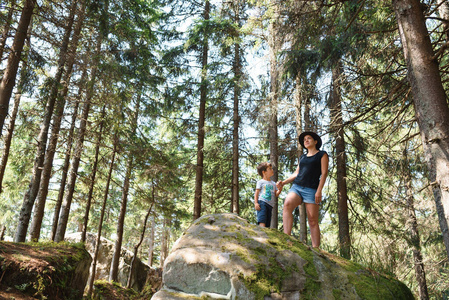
309 170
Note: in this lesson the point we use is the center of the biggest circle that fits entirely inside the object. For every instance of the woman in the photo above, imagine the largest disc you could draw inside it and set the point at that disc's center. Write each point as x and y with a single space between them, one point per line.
308 181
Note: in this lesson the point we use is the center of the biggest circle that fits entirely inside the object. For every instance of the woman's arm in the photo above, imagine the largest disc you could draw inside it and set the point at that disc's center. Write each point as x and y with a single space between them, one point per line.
289 179
324 172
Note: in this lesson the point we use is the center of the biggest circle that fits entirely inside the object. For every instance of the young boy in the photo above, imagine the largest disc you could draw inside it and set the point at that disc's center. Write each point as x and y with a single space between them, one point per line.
266 190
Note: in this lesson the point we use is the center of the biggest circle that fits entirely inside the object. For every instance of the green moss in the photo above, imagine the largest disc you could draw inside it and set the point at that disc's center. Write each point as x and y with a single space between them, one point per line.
370 284
106 290
337 294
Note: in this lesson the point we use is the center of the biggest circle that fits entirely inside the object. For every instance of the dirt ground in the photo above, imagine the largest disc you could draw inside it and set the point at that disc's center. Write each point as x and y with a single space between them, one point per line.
18 256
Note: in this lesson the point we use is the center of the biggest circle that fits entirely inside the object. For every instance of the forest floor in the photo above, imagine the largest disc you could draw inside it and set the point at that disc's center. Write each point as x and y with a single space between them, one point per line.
17 259
14 253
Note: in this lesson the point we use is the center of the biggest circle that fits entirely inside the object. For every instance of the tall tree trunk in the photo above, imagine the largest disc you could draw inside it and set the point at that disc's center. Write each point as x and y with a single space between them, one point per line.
12 123
201 122
443 11
93 176
57 119
113 273
430 103
93 267
6 28
298 112
338 129
237 69
67 201
412 225
2 233
68 155
165 240
151 243
136 248
33 188
9 75
274 45
8 138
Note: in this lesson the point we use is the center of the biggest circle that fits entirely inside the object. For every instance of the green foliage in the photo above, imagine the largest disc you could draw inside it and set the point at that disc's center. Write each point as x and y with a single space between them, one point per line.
149 64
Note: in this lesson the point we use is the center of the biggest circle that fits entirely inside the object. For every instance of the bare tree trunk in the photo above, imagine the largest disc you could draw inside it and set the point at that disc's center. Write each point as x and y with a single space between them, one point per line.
298 112
113 273
68 155
165 240
57 119
67 201
33 188
236 119
412 225
151 243
9 76
430 103
93 176
340 145
136 247
93 268
8 136
6 28
443 11
2 233
274 43
201 123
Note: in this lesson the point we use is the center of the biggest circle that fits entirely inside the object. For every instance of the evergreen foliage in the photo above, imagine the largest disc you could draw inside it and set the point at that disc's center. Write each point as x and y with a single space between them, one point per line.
149 54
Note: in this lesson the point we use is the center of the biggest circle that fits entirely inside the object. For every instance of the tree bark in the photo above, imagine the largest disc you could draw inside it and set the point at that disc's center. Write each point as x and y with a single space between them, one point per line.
68 155
412 225
237 69
6 28
33 188
151 243
430 103
340 145
57 119
443 11
164 241
9 75
93 268
93 176
67 201
201 123
136 247
113 273
2 233
298 112
274 45
10 132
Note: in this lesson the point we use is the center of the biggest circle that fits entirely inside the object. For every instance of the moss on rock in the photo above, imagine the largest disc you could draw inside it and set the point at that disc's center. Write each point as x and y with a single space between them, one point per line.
261 262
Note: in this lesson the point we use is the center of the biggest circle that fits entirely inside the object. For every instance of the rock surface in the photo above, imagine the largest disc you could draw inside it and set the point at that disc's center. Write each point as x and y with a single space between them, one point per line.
224 257
43 270
106 251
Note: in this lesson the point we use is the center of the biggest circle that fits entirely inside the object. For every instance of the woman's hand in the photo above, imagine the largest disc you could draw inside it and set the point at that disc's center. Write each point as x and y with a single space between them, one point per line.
318 197
280 185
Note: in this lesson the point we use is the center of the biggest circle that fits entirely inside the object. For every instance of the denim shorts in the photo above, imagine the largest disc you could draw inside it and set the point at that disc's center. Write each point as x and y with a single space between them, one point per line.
264 214
307 194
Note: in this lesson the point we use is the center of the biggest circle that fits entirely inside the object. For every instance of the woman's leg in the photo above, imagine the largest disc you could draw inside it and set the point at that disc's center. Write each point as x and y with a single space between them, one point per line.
312 216
291 202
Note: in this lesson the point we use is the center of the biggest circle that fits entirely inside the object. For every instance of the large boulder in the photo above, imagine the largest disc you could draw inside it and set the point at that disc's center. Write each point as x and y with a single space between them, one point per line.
43 270
106 251
224 257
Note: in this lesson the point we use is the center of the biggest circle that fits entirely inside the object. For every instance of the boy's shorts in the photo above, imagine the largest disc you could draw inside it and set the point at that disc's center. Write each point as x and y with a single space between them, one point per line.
307 194
264 214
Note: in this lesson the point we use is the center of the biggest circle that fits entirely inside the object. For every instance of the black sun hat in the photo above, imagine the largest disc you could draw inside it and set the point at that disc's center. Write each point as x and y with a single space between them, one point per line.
315 136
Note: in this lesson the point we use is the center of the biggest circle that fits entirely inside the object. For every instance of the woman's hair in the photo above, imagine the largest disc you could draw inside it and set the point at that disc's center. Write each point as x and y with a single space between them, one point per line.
262 167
